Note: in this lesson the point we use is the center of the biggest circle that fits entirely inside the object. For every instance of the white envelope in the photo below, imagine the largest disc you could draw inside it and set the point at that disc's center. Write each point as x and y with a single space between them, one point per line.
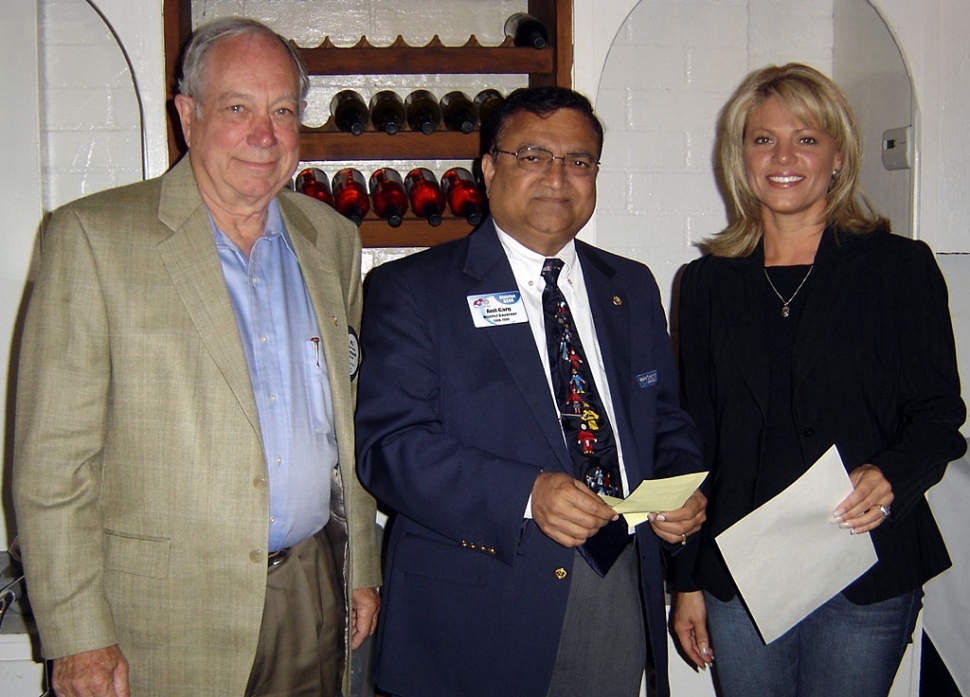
789 556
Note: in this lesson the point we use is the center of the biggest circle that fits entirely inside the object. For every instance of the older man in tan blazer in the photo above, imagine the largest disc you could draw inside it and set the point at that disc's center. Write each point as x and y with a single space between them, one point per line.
143 479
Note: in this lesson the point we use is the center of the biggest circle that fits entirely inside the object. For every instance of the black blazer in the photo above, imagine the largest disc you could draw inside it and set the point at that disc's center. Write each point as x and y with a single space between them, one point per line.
874 372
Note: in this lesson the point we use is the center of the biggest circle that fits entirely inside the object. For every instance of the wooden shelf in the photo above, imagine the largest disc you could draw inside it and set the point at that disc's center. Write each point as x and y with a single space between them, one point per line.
413 232
400 58
326 143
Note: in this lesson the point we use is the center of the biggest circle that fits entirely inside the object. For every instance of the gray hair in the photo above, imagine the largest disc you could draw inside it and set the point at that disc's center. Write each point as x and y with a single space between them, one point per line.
195 57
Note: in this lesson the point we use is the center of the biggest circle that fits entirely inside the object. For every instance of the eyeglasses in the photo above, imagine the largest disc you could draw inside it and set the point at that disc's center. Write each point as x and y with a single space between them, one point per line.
532 159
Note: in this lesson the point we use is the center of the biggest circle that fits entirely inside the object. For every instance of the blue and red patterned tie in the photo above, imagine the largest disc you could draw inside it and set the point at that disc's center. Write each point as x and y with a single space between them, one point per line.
585 424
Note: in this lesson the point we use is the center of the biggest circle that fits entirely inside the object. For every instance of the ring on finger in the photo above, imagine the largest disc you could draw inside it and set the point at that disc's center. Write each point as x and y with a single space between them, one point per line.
683 538
885 510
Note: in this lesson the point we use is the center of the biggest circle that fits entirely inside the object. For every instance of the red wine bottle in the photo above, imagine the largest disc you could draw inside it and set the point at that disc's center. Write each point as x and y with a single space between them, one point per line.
313 182
526 30
425 195
349 112
458 112
464 197
387 111
390 198
423 111
350 194
486 102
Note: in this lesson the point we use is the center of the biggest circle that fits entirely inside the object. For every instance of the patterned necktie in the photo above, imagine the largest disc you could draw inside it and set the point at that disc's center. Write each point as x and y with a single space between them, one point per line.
589 437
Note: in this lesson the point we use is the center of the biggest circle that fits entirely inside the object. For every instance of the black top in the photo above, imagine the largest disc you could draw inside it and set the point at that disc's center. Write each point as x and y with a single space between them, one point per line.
782 462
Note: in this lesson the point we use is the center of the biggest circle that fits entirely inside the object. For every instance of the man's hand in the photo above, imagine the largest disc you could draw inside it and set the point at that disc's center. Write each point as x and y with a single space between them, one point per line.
365 604
566 510
689 623
676 526
97 673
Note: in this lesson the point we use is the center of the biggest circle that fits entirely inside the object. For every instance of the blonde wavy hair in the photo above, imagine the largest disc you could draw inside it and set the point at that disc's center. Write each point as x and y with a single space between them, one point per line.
814 99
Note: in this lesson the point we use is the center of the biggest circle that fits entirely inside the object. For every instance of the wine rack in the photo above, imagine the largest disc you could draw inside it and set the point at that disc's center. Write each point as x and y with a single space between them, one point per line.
548 66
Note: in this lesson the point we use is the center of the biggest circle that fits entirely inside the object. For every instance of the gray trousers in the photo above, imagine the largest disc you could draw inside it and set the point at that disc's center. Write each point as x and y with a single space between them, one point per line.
603 648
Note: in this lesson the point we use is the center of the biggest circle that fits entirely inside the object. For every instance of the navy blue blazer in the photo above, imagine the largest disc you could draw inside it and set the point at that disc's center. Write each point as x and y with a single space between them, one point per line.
454 423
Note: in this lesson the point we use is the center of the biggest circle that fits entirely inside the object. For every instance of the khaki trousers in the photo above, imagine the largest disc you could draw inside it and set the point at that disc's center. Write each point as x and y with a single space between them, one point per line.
300 650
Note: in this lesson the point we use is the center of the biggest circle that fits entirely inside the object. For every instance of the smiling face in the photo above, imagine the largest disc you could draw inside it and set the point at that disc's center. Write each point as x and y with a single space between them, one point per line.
245 144
789 164
543 210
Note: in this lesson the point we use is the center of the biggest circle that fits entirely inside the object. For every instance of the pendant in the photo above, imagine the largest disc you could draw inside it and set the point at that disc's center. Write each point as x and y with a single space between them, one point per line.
784 310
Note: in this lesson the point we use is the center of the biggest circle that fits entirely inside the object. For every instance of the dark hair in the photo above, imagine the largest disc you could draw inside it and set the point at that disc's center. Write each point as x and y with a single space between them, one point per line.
195 56
539 101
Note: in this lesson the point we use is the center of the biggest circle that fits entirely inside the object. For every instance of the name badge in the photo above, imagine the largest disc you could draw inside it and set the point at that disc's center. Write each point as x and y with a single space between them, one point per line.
497 309
353 346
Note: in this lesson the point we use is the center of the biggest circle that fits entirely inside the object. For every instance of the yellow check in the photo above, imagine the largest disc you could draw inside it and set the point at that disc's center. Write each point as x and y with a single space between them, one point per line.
655 495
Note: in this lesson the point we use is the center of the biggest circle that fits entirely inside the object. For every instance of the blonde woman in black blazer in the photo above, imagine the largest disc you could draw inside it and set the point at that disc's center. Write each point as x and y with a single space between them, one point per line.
808 323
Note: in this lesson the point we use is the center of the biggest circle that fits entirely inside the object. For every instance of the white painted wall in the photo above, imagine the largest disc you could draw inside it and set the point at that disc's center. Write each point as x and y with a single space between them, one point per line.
20 210
20 184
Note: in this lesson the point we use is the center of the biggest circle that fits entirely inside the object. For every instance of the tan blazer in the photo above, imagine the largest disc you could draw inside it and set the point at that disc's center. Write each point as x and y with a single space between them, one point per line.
140 483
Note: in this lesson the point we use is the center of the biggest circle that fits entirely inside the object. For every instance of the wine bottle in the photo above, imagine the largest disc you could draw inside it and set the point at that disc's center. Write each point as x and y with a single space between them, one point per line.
486 102
313 182
458 112
423 111
526 30
425 195
387 111
350 194
464 197
349 112
390 198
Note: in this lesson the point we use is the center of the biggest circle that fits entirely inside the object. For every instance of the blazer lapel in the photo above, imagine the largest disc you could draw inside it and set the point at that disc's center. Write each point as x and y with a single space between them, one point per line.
190 256
612 322
747 337
823 303
488 265
318 263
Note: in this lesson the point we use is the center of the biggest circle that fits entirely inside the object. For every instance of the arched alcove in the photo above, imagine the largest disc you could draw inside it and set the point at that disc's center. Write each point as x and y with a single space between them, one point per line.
670 69
90 105
869 66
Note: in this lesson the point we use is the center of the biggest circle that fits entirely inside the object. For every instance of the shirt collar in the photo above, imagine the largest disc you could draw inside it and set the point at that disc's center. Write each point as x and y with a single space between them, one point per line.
530 262
273 228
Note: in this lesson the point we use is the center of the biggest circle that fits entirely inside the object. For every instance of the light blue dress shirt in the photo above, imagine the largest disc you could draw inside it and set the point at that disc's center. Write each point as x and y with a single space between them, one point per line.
281 339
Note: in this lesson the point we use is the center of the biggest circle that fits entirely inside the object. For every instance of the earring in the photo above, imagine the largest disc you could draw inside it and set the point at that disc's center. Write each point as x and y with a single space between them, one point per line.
835 173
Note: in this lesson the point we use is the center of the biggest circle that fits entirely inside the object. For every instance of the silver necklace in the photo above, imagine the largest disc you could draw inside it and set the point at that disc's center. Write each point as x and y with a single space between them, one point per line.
785 310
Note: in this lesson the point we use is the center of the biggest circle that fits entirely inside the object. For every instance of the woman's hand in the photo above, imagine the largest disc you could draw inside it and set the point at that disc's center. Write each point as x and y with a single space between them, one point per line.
868 505
676 526
689 623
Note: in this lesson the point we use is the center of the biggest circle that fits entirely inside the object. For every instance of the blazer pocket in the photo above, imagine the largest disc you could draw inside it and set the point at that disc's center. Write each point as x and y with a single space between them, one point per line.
139 555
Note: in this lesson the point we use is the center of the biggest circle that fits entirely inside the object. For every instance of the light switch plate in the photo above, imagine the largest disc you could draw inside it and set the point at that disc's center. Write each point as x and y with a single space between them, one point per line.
897 148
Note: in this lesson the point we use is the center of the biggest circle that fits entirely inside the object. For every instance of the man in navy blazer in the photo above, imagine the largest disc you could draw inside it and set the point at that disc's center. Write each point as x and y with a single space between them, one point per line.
459 435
